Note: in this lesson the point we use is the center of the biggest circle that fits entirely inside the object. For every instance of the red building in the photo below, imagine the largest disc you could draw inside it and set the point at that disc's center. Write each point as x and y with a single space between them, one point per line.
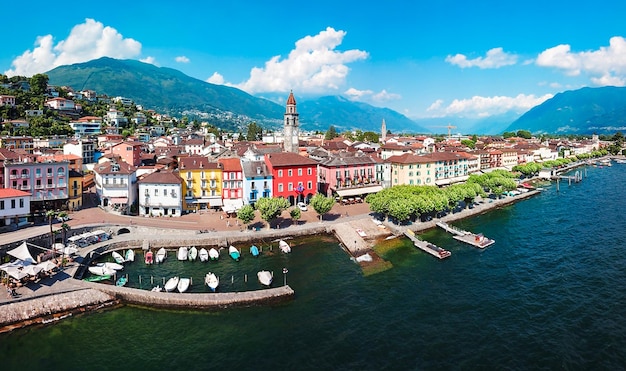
294 176
130 152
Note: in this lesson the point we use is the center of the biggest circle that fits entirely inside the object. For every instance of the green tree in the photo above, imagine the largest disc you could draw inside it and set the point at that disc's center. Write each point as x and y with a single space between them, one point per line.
322 204
246 214
508 134
51 214
468 143
255 132
331 133
271 208
295 214
39 84
64 228
370 137
524 134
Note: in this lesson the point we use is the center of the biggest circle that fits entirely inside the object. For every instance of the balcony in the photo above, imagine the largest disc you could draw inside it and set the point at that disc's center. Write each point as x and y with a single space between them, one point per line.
37 175
25 187
14 176
39 186
116 185
25 176
50 186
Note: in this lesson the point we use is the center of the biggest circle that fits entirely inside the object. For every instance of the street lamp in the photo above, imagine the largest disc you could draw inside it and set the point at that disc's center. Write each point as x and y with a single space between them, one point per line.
285 276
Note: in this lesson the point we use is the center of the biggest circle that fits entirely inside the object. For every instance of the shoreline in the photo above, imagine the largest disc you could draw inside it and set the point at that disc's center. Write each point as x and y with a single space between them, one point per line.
79 297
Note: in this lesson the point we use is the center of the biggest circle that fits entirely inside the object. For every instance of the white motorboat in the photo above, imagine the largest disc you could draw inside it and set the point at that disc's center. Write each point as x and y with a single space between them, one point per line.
101 271
193 253
214 254
130 255
212 281
204 255
161 255
183 253
119 259
171 284
110 265
265 277
183 284
234 253
284 246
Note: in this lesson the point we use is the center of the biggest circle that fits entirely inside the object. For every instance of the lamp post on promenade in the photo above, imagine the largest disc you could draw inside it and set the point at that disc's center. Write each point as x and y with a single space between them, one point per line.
285 276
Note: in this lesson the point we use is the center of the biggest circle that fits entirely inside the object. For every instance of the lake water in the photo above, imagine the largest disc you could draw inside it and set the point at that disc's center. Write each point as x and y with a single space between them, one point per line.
548 295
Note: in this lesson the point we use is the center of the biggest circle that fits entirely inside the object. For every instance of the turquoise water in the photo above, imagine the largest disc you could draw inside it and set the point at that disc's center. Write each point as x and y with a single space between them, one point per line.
548 295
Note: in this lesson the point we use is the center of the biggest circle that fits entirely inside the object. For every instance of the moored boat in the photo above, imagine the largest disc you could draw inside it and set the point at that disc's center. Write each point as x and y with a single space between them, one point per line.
265 277
149 259
121 281
183 284
254 250
284 246
234 253
130 255
111 265
119 259
157 288
161 255
101 271
193 253
212 281
171 284
214 254
183 253
203 254
98 278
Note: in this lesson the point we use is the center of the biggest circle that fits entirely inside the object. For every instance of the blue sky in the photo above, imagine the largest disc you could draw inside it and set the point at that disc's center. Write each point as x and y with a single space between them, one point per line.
443 59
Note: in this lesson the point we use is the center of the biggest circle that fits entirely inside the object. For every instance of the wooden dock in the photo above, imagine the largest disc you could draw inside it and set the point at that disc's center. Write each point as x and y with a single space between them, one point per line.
476 240
430 248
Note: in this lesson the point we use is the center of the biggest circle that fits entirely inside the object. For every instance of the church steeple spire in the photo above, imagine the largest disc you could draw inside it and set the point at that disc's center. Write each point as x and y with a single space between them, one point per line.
291 126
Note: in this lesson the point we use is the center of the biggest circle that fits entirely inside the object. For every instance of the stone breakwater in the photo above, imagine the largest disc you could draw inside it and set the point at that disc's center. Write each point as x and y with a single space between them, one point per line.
50 308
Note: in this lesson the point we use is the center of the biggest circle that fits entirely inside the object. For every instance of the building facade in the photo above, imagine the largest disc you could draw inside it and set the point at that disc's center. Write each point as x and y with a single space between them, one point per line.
161 194
202 182
294 176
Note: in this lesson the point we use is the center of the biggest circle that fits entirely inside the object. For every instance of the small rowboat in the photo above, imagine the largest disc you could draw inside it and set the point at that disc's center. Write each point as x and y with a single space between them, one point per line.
101 271
149 258
121 281
193 253
214 254
212 281
265 278
119 259
284 247
171 284
254 250
161 255
183 284
183 253
234 253
203 254
110 265
130 255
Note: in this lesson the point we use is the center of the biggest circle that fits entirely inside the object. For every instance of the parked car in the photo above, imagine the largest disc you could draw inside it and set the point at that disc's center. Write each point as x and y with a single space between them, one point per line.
302 206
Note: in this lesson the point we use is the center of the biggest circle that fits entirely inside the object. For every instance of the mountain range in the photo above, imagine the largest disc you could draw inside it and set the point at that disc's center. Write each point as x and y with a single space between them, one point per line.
582 111
170 91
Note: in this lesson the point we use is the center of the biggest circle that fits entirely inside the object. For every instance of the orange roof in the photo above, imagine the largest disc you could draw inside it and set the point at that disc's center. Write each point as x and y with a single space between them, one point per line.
291 100
230 164
10 192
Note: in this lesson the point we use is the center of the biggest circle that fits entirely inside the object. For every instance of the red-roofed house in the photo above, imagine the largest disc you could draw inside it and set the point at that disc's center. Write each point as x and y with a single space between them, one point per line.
14 206
294 176
232 189
130 152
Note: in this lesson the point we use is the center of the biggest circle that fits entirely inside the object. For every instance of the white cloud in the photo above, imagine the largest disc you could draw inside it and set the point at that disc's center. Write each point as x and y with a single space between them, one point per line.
486 106
216 78
371 97
314 66
150 60
385 96
86 41
605 66
182 59
495 58
355 94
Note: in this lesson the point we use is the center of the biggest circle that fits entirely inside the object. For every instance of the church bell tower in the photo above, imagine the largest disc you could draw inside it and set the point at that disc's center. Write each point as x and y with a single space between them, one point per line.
291 129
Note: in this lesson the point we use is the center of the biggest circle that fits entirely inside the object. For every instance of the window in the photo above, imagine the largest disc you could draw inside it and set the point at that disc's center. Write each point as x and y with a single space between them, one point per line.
189 175
411 182
38 173
21 202
49 171
299 172
338 174
1 205
309 171
280 173
280 187
309 185
12 204
156 191
290 186
253 186
289 173
410 173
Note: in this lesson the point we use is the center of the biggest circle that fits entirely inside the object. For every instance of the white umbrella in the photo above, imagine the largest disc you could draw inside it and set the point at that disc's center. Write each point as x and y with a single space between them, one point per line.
32 269
48 265
15 272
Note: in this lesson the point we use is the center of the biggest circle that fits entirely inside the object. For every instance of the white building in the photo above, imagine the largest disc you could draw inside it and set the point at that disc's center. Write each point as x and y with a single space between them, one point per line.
160 194
14 206
116 185
84 149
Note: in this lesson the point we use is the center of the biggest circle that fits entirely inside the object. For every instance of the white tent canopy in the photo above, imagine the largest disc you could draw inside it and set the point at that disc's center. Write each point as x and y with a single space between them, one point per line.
21 252
15 272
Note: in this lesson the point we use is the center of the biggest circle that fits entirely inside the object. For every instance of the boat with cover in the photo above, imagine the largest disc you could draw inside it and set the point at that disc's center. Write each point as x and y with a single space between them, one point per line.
214 254
161 255
121 281
212 281
193 253
171 284
97 278
183 284
183 253
203 254
284 247
101 271
111 265
130 255
234 253
149 259
119 259
265 277
254 250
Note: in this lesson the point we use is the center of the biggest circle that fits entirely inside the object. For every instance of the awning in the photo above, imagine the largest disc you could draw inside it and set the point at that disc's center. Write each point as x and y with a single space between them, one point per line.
358 191
118 200
215 202
21 252
447 181
231 206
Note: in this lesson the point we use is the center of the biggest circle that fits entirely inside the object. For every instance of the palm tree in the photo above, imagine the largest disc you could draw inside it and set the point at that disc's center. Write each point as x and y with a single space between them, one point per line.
65 228
51 214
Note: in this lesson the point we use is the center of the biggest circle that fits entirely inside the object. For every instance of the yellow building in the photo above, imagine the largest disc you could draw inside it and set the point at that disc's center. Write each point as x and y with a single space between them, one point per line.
438 168
75 190
202 182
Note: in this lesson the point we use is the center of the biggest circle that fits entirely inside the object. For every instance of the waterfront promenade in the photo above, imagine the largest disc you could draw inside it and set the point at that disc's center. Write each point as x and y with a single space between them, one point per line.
62 294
